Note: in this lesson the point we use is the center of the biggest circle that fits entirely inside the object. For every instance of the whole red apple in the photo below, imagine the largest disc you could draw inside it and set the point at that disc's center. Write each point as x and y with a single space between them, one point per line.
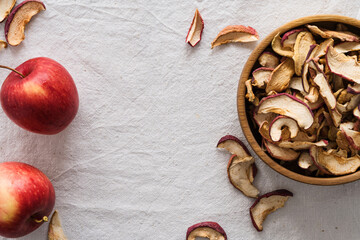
44 100
27 198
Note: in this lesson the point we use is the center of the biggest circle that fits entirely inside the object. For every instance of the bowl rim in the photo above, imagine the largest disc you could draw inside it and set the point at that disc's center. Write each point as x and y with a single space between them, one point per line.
241 106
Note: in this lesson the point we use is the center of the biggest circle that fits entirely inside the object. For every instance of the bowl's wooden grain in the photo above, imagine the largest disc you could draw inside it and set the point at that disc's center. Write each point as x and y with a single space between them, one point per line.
324 20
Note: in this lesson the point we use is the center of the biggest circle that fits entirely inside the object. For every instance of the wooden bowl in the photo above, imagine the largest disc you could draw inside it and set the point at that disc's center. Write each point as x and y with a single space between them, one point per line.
252 134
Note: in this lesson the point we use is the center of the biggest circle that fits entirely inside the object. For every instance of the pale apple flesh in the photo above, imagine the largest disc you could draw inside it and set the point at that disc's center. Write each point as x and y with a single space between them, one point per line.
45 101
26 197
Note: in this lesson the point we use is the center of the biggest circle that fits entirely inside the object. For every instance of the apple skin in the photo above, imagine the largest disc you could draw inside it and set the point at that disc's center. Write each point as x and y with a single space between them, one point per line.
26 195
45 101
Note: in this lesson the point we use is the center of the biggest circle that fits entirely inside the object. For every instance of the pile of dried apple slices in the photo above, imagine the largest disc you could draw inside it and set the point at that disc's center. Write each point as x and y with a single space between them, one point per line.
304 96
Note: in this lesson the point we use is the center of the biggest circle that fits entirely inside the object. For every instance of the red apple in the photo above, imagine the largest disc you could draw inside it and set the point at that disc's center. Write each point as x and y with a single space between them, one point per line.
27 198
44 100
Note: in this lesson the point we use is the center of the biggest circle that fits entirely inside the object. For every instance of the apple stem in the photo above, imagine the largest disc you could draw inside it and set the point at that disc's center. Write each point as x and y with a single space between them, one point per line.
44 219
15 71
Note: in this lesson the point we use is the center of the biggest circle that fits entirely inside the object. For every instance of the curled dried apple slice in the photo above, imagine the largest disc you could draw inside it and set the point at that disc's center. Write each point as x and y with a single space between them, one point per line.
18 18
268 60
279 49
287 105
235 33
313 95
281 76
346 67
55 229
304 41
250 94
302 145
237 170
352 136
5 8
334 163
260 118
311 54
296 84
325 90
345 47
321 51
195 30
267 204
324 33
210 230
305 161
277 125
289 38
356 112
354 89
234 146
349 106
283 154
261 76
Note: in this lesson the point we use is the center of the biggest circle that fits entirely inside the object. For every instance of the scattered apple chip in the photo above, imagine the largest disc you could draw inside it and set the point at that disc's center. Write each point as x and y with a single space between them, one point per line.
235 33
266 204
269 60
195 30
5 8
55 229
324 33
238 169
210 230
18 18
234 146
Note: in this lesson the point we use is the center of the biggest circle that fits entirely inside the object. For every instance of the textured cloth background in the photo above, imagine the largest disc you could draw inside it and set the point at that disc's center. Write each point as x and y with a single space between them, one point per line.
139 161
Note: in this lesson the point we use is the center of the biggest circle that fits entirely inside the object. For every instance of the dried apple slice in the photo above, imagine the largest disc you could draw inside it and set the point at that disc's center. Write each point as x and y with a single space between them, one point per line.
260 118
334 163
324 33
277 125
261 76
296 84
321 51
280 153
289 38
345 47
250 94
311 54
349 106
352 136
268 60
356 112
5 8
304 41
287 105
251 172
195 30
302 145
18 18
346 67
279 49
237 170
325 90
210 230
313 95
281 76
235 33
354 89
55 229
305 161
313 151
234 146
266 204
304 137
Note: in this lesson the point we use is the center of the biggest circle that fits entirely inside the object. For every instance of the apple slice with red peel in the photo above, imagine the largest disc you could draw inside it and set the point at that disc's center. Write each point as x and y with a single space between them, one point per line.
313 151
235 33
277 125
238 169
352 136
287 105
18 18
345 47
55 231
283 154
260 118
354 89
261 76
234 146
305 161
251 172
289 38
325 90
266 204
346 67
321 51
210 230
333 162
5 8
268 60
324 33
196 28
304 74
280 78
356 112
279 49
304 41
250 94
